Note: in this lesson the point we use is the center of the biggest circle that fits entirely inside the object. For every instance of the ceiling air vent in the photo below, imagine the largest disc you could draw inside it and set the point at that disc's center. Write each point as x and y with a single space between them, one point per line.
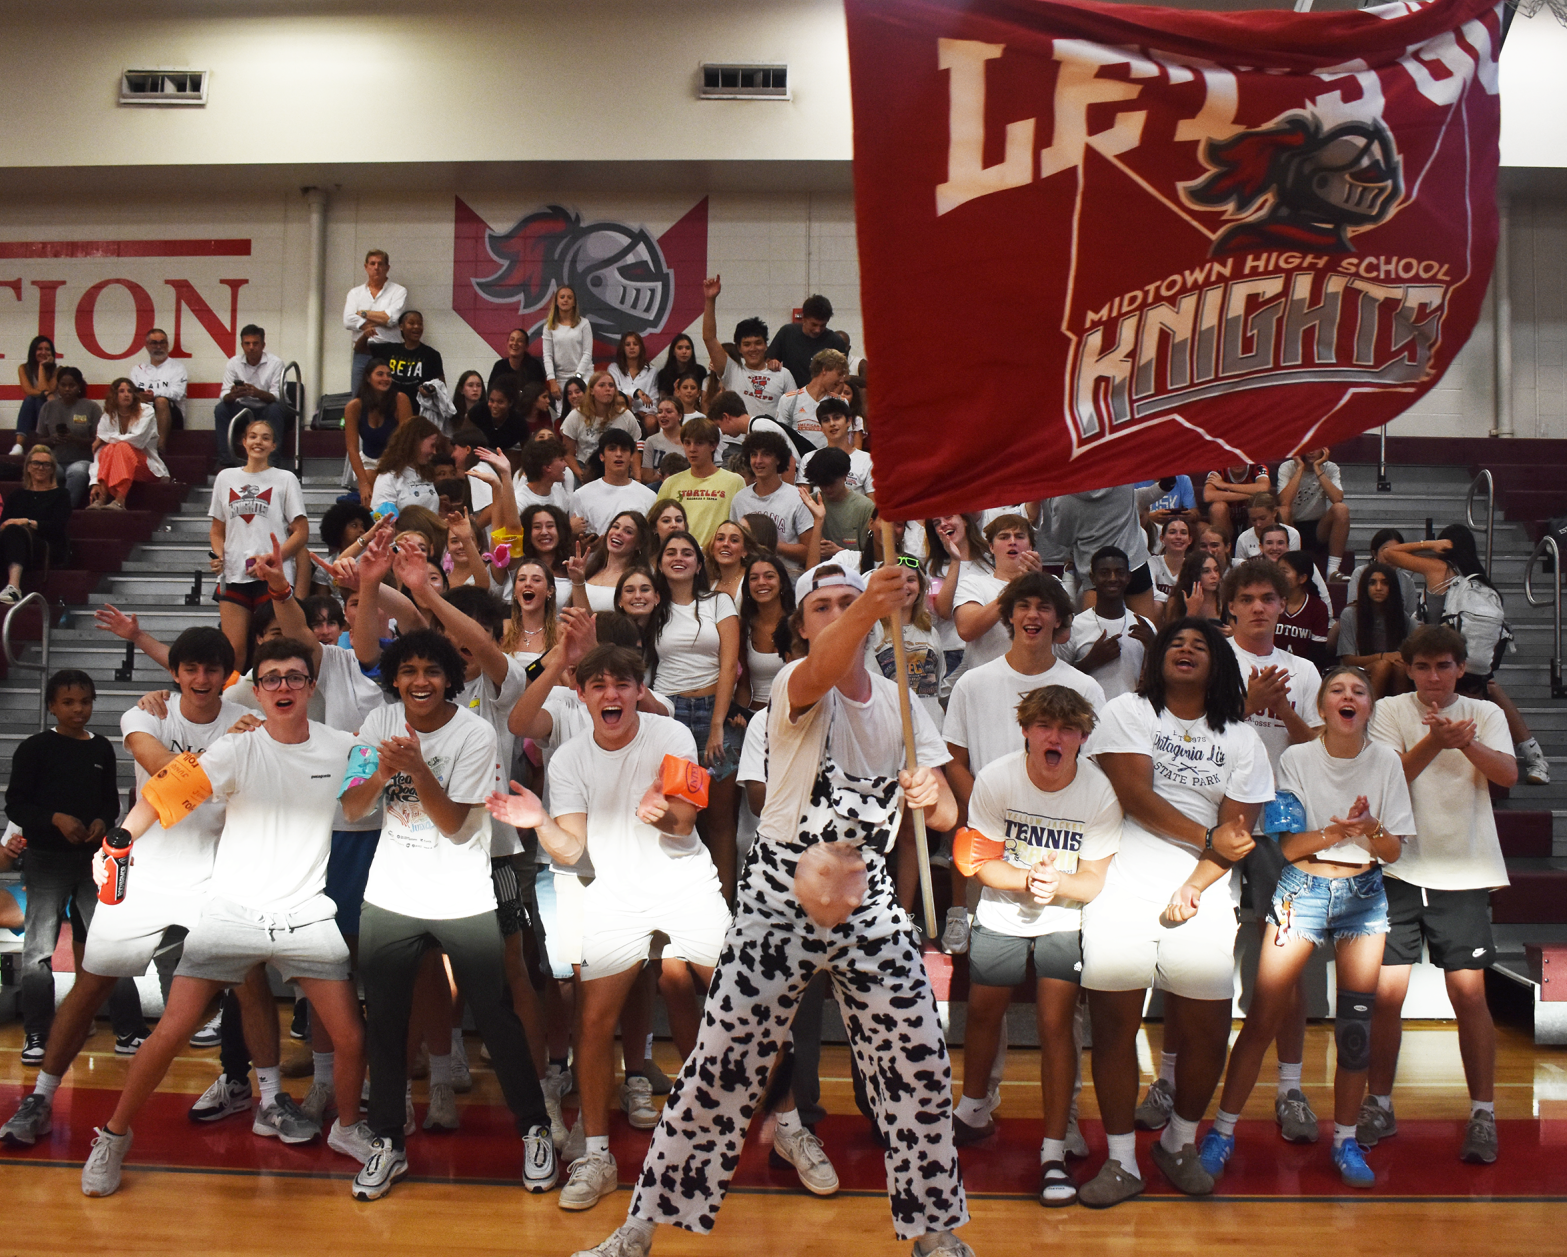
744 82
163 87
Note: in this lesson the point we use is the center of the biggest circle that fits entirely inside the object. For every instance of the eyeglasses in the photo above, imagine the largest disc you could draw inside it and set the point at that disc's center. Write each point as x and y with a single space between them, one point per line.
277 680
908 560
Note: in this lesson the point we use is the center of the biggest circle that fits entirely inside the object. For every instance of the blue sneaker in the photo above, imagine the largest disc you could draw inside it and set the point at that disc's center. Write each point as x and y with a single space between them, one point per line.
1215 1151
1352 1167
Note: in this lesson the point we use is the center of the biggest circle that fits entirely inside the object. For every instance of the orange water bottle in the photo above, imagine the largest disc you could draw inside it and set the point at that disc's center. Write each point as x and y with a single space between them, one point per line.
117 860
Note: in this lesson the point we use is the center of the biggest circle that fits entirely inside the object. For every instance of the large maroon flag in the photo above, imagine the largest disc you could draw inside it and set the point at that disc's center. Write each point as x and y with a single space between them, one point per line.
1100 243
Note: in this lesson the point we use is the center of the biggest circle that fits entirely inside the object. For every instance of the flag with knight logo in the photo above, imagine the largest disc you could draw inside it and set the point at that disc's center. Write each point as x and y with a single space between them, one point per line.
1129 241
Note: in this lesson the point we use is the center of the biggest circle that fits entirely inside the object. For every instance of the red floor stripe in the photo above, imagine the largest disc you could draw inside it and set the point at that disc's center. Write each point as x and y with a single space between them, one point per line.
1420 1162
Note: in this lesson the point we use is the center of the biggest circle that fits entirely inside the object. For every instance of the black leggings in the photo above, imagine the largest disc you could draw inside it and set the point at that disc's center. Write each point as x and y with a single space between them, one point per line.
23 545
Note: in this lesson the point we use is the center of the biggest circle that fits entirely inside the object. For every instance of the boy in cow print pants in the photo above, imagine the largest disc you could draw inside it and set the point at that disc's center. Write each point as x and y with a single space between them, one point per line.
834 751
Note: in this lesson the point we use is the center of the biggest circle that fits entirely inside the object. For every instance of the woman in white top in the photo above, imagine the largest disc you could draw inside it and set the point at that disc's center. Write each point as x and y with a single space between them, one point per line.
636 596
568 341
1342 811
766 600
531 628
126 447
692 644
663 441
583 429
1165 567
726 555
634 375
950 542
546 538
595 576
404 476
663 518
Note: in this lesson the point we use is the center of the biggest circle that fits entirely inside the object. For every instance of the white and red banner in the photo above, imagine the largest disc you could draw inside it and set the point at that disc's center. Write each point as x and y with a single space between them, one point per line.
1122 242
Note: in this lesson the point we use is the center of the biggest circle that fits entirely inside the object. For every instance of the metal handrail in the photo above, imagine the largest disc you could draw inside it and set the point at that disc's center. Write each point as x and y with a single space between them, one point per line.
299 415
1384 485
1548 543
1489 481
43 664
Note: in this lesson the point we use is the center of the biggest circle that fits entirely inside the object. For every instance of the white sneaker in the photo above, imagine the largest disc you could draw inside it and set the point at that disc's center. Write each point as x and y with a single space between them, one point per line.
224 1098
636 1101
352 1141
633 1239
321 1097
955 934
539 1167
462 1076
803 1150
10 595
210 1035
18 449
442 1113
588 1180
101 1174
576 1145
384 1167
1536 771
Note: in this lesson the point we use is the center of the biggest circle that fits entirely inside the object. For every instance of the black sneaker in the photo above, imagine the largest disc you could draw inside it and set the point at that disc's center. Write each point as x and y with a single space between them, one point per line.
33 1050
299 1028
128 1044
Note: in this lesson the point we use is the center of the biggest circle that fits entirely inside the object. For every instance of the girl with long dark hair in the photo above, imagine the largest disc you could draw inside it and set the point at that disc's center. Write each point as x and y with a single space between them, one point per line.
369 420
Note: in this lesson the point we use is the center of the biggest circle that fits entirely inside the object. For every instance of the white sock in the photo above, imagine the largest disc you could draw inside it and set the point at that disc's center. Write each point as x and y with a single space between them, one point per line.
1167 1067
1384 1102
1123 1148
974 1112
1483 1106
440 1069
1224 1122
597 1143
1342 1133
647 1050
1289 1077
322 1062
1333 563
459 1048
48 1084
788 1121
1052 1150
269 1078
1178 1133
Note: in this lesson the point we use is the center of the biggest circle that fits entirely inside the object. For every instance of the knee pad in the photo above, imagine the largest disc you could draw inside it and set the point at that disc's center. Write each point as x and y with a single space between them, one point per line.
1352 1028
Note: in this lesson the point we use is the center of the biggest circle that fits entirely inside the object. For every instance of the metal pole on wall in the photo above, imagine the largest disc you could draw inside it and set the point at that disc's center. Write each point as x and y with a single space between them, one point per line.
314 331
1502 319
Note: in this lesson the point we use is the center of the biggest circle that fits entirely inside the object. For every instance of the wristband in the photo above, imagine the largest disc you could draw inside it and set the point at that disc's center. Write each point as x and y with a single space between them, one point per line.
280 596
1207 838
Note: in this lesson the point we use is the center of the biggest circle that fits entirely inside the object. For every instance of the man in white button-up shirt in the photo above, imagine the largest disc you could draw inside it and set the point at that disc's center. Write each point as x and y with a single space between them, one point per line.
162 383
252 388
371 312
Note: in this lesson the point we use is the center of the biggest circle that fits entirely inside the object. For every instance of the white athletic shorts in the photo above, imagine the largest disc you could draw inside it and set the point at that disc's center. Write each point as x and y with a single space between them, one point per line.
560 897
616 938
230 939
1126 949
124 936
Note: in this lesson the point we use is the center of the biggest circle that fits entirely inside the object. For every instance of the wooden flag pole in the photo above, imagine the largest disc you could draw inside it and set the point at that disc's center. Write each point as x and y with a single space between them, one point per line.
906 709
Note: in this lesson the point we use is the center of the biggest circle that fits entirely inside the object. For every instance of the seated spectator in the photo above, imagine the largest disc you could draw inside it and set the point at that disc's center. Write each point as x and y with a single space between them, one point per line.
34 521
663 441
67 425
568 342
325 618
1211 541
1167 499
1379 548
836 424
1275 545
518 362
126 448
950 541
1176 539
583 429
369 419
688 396
1087 522
469 393
1196 591
679 361
546 540
252 388
797 408
1261 513
797 344
705 490
37 375
161 383
634 375
542 479
1372 628
499 420
751 377
599 501
414 364
533 404
1311 496
405 475
571 393
1305 620
1226 495
736 423
1108 638
846 522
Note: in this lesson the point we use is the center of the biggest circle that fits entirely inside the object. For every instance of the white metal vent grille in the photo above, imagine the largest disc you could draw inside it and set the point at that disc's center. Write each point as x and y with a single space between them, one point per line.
744 82
163 87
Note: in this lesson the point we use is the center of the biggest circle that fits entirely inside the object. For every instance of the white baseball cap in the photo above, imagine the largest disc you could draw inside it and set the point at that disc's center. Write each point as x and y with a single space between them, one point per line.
825 576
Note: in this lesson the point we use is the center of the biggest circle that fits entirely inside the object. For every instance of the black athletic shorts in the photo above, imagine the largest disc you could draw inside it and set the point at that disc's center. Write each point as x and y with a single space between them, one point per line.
1455 926
249 594
1141 581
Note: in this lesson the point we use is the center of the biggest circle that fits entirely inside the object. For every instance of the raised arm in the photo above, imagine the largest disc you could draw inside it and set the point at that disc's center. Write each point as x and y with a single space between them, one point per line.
842 643
290 614
412 570
126 627
715 349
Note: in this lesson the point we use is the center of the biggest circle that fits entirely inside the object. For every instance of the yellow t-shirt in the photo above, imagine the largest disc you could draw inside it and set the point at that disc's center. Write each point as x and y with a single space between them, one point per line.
705 501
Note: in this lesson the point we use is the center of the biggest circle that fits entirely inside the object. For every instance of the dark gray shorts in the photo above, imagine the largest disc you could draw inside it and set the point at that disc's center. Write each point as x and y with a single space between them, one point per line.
996 959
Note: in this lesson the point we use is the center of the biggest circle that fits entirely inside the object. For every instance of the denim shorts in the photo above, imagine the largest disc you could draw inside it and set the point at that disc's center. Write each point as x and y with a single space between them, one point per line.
697 715
1313 908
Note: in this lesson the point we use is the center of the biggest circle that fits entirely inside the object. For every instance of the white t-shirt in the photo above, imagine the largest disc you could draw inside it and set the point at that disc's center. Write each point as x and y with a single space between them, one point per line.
1455 845
1194 770
1304 683
1329 787
978 584
688 646
753 751
480 697
255 506
1248 545
657 446
598 502
1081 822
982 711
558 495
860 477
278 830
178 861
1311 503
168 379
1120 675
587 435
797 409
636 866
783 506
759 389
418 871
867 741
404 489
923 658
